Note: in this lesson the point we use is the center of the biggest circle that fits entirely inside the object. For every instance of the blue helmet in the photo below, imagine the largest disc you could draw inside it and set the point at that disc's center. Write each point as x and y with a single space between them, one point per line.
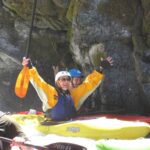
75 73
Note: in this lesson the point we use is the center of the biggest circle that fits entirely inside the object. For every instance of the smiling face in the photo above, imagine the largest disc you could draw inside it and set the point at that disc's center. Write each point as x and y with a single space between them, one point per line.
64 82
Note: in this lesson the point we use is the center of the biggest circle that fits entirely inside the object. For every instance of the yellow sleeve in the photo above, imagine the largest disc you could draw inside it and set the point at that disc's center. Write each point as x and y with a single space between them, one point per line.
91 82
47 93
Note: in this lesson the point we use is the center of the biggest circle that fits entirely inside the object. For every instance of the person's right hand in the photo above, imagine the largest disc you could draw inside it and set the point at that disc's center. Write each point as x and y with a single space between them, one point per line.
25 61
55 69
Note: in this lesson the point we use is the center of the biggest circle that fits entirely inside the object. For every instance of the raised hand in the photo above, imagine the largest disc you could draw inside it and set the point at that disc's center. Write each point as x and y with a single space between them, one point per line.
55 69
110 60
25 61
105 64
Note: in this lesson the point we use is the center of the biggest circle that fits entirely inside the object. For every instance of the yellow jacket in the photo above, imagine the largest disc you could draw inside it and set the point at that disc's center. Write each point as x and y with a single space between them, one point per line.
91 82
49 95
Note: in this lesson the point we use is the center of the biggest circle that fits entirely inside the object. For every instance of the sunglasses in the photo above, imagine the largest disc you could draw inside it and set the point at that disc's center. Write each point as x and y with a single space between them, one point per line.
65 79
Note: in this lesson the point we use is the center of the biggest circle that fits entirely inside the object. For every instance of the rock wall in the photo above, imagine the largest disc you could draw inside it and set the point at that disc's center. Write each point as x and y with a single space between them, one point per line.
73 33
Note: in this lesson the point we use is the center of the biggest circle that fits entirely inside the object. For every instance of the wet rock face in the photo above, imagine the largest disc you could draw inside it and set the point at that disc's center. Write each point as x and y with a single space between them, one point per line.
146 56
73 33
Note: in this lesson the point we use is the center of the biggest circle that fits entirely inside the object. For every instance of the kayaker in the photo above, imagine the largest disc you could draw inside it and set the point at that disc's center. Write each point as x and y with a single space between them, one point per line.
76 77
10 129
62 102
84 91
57 101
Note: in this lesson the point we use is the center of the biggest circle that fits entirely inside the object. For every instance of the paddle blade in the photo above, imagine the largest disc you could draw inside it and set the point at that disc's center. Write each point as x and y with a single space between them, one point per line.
64 145
22 83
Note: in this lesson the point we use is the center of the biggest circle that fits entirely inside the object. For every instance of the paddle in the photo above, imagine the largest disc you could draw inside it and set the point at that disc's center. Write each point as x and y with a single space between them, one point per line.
22 81
52 146
65 146
4 139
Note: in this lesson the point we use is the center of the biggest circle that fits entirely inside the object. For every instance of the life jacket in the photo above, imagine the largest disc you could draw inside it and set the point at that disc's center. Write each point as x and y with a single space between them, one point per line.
64 109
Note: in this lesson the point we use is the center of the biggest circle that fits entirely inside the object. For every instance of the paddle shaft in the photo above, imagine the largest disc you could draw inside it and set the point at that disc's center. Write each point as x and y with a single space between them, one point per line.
52 146
31 28
22 82
25 144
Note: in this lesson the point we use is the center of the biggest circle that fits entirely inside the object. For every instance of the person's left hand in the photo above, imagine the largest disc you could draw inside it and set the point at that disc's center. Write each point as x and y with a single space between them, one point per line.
105 64
110 60
17 141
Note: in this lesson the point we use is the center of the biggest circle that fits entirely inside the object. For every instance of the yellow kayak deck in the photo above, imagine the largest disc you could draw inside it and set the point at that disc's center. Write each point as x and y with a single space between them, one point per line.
99 128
